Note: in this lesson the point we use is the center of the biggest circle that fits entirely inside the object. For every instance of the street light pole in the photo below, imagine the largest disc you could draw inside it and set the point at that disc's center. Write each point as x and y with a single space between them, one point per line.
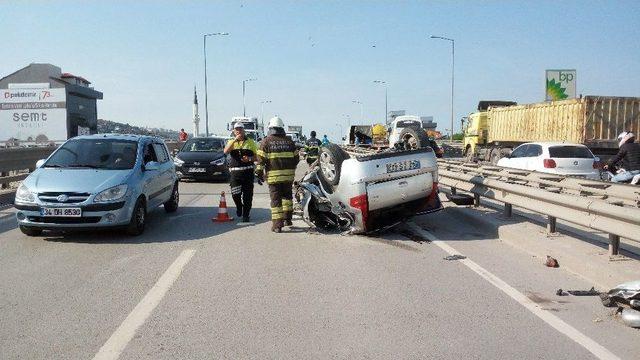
361 110
244 107
386 102
262 110
206 95
453 52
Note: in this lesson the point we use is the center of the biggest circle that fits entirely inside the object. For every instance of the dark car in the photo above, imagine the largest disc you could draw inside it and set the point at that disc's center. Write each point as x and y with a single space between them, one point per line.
202 159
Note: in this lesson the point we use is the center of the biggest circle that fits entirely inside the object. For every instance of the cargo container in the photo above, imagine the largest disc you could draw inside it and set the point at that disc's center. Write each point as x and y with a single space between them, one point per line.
595 121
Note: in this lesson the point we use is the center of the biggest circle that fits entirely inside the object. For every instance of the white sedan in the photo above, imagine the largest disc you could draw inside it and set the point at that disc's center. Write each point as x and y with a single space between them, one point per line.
554 158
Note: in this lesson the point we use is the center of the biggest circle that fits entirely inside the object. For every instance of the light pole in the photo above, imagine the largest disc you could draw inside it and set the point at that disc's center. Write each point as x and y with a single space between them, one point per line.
262 110
348 117
340 134
206 97
453 62
386 103
361 109
244 107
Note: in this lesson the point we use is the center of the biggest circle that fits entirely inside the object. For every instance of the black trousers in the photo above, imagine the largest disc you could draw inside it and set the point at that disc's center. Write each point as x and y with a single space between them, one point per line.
281 202
311 160
242 191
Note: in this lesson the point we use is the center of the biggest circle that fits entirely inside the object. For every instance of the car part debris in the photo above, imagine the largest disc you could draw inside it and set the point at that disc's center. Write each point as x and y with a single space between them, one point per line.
551 262
590 292
455 257
627 294
560 292
631 317
460 199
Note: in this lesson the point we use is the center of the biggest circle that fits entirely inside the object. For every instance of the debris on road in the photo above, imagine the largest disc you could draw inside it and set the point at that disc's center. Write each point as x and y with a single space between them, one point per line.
560 292
455 257
627 298
631 317
551 262
590 292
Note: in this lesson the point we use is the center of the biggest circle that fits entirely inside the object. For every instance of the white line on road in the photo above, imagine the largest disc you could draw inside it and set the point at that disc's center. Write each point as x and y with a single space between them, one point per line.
596 349
125 332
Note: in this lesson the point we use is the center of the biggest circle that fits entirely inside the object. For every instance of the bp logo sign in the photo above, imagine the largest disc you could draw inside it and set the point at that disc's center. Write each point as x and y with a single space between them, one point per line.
561 84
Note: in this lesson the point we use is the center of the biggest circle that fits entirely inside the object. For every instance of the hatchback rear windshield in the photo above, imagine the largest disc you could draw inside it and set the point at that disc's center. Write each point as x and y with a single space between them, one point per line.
203 145
109 154
572 152
408 123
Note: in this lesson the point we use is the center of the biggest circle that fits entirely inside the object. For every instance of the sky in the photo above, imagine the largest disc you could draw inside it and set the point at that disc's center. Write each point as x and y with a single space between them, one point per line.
312 59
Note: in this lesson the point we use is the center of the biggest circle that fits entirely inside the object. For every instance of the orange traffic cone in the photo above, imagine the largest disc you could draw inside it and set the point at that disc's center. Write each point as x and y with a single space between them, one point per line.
223 216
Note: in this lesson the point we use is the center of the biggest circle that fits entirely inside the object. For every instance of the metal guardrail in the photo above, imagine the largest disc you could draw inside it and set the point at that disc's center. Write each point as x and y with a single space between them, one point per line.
611 208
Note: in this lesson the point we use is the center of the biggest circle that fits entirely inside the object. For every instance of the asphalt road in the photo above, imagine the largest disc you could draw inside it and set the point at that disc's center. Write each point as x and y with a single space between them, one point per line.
188 288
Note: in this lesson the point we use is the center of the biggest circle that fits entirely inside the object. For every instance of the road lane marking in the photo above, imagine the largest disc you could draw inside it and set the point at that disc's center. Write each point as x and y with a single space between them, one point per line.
125 332
586 342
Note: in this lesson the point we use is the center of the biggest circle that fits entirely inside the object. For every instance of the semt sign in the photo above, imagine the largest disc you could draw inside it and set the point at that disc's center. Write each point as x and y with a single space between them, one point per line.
28 114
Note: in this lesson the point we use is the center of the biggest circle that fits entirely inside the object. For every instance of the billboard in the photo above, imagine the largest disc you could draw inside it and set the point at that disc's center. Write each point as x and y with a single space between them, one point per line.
560 84
33 114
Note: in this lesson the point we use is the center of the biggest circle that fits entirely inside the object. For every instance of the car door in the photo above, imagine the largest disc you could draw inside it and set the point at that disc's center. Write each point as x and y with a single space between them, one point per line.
151 178
166 169
533 157
516 160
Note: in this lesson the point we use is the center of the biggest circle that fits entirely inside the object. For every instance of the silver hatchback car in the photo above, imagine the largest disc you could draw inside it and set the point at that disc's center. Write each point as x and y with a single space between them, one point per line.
98 181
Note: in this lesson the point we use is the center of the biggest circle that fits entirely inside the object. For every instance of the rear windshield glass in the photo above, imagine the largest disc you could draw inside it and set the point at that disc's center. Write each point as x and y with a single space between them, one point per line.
107 154
195 145
573 152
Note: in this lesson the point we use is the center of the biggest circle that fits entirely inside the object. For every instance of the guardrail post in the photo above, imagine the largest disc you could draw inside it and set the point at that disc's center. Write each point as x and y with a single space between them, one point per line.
3 185
476 200
508 210
551 226
614 244
453 190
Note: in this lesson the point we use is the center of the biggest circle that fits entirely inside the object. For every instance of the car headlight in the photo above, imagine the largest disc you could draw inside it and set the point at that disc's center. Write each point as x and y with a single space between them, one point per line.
111 194
178 162
218 161
23 194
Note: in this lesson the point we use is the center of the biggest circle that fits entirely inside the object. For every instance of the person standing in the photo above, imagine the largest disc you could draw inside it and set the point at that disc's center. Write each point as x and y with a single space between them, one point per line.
242 151
182 135
277 161
325 140
312 148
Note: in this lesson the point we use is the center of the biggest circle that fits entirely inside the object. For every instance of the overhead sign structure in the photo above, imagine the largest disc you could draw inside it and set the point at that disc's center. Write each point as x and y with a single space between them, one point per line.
33 114
560 84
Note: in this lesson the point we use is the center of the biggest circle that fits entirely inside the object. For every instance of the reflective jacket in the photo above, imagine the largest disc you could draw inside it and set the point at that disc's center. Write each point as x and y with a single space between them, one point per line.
312 148
246 147
278 158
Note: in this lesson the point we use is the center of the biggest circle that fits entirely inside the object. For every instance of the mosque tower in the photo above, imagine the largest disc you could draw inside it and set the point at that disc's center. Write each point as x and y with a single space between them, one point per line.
196 117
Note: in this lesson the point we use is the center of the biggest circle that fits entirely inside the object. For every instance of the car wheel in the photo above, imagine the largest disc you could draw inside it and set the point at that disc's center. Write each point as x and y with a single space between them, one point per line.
330 160
138 219
411 139
172 204
29 231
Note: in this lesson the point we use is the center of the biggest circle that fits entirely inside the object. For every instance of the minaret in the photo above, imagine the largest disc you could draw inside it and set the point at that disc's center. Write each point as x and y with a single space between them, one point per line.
196 117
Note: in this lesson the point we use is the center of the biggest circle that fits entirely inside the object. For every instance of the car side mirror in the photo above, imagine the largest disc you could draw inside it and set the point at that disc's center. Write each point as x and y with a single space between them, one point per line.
39 163
596 158
151 166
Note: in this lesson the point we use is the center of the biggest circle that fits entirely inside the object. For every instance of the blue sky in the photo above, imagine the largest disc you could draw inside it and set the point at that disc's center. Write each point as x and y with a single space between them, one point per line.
312 58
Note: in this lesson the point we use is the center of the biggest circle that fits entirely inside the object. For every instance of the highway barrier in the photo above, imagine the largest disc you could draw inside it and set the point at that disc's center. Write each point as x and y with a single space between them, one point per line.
603 206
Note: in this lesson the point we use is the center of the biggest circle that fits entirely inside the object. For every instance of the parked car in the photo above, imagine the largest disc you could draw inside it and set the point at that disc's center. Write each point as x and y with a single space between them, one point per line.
98 181
202 159
554 158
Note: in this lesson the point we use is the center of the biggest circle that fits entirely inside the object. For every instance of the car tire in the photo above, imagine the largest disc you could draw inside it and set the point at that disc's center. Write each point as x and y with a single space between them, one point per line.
30 231
411 139
138 218
330 158
172 204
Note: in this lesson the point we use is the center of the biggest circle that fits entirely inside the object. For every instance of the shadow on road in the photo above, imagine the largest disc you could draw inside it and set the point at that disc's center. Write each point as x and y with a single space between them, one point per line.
188 223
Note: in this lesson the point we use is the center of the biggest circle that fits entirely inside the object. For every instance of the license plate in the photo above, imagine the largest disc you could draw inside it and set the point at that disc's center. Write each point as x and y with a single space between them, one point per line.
197 170
403 166
61 212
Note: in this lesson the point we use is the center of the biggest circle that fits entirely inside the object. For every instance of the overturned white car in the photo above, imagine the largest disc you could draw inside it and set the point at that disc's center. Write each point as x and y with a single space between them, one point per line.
360 190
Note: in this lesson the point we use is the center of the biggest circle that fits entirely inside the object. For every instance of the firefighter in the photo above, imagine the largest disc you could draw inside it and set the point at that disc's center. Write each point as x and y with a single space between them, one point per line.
277 161
312 148
242 152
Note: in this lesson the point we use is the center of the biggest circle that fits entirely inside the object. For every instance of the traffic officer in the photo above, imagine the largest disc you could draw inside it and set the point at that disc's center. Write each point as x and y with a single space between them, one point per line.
277 161
312 148
242 151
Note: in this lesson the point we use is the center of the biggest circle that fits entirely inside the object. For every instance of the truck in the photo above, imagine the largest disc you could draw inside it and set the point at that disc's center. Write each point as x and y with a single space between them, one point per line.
295 133
252 127
497 127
